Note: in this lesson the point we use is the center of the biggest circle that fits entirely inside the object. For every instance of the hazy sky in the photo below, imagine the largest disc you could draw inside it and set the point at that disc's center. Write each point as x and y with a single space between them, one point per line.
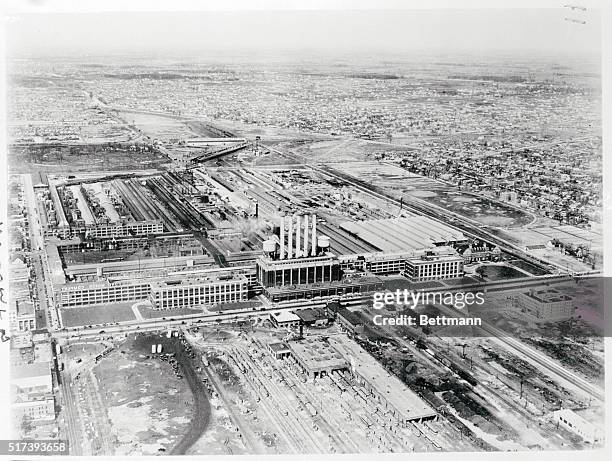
472 30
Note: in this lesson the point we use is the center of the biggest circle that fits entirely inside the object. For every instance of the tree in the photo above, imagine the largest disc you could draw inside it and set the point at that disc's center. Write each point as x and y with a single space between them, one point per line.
481 271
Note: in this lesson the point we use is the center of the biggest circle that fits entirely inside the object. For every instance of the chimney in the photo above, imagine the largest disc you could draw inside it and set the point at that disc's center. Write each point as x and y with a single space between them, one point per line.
305 252
298 236
290 246
314 236
282 238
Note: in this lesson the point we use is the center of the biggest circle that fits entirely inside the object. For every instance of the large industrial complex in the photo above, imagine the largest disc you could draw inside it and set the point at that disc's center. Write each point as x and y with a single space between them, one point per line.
221 257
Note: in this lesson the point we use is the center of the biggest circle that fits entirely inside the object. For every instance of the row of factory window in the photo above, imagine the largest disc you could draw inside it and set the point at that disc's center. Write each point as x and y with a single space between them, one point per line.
106 295
300 276
103 231
441 268
198 291
196 300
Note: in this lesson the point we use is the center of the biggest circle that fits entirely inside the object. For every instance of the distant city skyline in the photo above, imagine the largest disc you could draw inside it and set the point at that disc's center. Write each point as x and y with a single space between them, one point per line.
534 31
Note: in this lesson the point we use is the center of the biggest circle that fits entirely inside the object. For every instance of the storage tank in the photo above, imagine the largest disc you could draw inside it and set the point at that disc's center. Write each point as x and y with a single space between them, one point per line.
269 246
323 242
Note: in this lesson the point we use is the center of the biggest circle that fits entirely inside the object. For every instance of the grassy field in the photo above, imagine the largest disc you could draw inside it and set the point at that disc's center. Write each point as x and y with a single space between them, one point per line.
97 315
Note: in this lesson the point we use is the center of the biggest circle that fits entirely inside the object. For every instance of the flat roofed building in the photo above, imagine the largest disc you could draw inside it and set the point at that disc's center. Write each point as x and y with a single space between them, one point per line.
316 357
364 284
25 317
102 292
313 317
32 378
437 263
214 289
279 350
297 271
382 386
404 234
284 319
547 305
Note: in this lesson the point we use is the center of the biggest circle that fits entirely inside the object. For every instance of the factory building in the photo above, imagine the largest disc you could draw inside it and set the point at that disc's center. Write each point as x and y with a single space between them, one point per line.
102 292
280 273
383 388
429 264
215 289
405 234
168 282
295 260
546 305
284 319
435 264
316 357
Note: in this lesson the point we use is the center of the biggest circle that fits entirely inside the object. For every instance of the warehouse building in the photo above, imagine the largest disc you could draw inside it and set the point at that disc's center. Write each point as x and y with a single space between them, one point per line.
316 358
546 305
398 235
382 387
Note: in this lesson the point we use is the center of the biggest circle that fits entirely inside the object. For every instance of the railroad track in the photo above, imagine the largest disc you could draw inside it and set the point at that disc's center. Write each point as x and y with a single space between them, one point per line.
540 359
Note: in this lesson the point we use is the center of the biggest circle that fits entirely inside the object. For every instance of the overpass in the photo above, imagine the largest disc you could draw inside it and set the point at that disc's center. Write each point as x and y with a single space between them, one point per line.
220 153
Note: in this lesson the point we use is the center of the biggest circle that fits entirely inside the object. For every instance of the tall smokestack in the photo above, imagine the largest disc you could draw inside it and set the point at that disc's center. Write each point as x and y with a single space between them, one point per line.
282 238
298 237
306 235
290 246
314 236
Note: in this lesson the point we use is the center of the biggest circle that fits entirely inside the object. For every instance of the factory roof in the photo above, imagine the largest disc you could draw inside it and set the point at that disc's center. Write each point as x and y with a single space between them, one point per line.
55 265
549 295
311 314
200 280
285 316
405 403
403 234
316 355
278 347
